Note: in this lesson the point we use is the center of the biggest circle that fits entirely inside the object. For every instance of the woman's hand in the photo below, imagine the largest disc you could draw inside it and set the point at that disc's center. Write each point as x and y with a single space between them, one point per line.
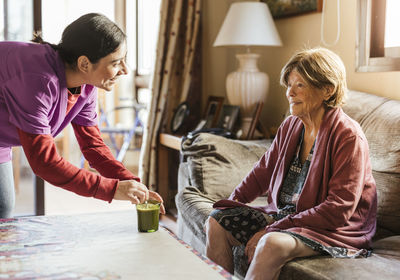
156 196
136 193
252 244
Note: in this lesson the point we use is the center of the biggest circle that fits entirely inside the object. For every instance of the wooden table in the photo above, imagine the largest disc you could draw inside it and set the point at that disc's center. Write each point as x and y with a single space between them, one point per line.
96 246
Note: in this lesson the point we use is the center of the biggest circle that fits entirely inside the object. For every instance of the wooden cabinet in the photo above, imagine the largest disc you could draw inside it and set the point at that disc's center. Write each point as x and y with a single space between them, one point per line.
168 164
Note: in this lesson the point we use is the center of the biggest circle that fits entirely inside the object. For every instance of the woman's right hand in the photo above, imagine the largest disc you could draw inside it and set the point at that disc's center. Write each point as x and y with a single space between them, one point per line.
136 193
131 190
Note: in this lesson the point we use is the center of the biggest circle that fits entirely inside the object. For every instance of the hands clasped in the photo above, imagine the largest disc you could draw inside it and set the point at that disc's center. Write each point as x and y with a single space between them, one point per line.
136 192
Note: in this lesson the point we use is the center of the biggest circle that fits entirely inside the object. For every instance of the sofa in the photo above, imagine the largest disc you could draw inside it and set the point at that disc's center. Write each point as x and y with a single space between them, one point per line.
212 166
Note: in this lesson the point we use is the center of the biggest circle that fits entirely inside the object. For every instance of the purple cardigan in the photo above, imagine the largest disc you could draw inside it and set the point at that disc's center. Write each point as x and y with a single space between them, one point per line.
34 97
338 203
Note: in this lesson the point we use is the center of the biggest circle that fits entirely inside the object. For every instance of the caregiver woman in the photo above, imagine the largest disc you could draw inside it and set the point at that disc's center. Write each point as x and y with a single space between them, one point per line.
43 88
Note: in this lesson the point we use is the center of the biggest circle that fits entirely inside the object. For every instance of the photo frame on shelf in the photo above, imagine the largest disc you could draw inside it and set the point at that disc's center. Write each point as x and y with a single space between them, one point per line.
211 113
179 117
229 117
283 8
255 120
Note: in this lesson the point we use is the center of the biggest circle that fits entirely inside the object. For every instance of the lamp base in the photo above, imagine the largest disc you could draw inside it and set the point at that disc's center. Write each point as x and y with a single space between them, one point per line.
247 85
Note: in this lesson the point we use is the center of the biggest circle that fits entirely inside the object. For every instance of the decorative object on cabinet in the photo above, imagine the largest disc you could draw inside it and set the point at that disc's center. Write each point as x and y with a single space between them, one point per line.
247 24
180 116
211 114
255 120
228 118
283 8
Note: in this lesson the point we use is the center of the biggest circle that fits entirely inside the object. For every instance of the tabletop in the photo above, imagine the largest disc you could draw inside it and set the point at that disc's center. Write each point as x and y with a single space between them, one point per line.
96 246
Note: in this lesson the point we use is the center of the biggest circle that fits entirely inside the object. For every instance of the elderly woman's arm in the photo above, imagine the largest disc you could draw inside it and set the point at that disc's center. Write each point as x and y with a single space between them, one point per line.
346 186
257 182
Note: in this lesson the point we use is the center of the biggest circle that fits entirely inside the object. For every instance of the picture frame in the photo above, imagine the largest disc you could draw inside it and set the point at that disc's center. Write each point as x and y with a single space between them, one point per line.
211 113
285 8
255 120
229 117
179 117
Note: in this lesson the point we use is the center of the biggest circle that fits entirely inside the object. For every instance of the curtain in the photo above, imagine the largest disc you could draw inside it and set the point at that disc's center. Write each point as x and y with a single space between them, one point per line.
175 78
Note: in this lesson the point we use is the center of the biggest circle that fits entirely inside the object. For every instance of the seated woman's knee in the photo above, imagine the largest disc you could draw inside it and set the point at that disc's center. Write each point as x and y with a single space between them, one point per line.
211 226
278 244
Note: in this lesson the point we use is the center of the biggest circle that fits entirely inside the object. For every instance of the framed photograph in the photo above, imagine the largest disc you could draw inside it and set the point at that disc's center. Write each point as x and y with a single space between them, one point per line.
288 8
255 120
229 116
180 115
211 114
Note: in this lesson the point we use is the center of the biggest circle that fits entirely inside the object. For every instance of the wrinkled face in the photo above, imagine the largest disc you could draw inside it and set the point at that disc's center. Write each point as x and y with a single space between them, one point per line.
304 100
107 70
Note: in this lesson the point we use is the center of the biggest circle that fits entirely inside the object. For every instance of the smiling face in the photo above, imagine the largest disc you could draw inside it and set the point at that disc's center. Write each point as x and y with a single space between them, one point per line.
107 70
305 101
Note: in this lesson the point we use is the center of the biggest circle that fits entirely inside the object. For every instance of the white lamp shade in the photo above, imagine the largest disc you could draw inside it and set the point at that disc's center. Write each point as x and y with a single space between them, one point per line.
248 24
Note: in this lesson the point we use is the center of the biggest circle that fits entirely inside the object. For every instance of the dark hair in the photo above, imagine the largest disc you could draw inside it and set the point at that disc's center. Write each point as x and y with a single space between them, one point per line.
92 35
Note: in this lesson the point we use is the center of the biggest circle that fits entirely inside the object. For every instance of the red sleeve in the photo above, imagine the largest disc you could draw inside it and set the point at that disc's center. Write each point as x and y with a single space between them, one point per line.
46 163
99 155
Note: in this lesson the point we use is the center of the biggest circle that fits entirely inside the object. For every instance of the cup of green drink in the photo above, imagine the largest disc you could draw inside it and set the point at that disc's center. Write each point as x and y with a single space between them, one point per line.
148 215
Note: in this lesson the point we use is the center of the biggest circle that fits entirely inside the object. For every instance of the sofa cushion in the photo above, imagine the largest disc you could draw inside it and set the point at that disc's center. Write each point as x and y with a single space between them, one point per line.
194 208
320 267
382 129
388 246
388 216
217 164
379 118
359 104
383 264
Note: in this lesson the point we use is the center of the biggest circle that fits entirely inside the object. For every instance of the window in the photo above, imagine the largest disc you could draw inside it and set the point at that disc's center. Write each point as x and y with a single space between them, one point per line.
53 23
378 41
148 13
392 22
16 20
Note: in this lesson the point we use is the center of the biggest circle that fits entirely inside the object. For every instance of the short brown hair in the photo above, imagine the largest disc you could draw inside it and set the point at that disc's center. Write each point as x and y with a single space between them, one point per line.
320 68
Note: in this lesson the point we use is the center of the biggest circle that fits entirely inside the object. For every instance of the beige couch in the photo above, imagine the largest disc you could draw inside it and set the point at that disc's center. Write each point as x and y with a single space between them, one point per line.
214 165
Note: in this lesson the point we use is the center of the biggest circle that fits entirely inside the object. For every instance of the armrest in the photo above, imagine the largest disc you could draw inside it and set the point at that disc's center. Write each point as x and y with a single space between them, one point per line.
216 165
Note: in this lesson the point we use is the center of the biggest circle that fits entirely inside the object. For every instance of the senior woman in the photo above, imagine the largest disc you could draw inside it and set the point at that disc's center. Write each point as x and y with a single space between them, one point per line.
317 175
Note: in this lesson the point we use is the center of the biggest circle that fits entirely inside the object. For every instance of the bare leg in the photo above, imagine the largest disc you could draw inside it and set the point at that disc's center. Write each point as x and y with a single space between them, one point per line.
273 251
219 244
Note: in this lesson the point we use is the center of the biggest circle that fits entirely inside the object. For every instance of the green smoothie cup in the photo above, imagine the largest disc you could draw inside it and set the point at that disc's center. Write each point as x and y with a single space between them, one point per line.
148 215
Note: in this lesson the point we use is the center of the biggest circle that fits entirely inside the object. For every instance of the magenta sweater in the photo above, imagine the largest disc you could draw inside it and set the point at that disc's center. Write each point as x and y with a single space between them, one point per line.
338 203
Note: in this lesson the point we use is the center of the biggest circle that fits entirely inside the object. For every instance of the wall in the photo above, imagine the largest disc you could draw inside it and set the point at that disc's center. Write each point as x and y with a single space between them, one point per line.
296 33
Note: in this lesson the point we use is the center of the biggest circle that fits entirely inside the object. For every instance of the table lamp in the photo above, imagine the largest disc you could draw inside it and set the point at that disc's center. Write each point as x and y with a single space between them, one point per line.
247 24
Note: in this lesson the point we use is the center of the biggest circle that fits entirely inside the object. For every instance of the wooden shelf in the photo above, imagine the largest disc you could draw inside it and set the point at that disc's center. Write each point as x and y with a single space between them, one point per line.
171 141
167 173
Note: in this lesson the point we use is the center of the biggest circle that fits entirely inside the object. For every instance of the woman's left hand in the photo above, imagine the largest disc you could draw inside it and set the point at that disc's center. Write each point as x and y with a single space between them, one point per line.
156 196
252 244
